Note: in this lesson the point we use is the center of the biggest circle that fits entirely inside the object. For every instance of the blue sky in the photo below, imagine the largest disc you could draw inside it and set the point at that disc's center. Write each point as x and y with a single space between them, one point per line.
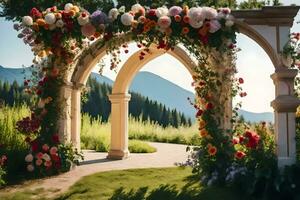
253 65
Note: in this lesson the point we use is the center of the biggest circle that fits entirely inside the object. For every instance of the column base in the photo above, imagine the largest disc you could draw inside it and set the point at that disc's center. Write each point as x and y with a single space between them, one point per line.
117 154
284 161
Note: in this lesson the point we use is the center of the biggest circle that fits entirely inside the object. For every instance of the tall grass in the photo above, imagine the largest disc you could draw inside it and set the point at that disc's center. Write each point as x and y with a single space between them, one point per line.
96 134
12 142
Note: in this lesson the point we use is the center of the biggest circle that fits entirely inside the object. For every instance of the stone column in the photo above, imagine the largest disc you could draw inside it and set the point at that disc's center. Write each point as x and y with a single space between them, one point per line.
64 124
285 106
119 126
76 116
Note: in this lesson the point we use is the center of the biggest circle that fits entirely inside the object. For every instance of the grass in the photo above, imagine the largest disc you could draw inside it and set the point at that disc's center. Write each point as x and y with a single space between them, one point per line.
136 184
96 134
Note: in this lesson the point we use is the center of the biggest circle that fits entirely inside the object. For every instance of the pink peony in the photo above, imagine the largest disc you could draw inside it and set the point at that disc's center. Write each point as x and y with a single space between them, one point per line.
39 155
164 22
45 147
175 10
209 13
88 30
39 162
53 150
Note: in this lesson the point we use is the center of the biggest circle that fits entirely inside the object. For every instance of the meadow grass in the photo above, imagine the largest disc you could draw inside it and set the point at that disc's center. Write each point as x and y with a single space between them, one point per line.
96 134
174 183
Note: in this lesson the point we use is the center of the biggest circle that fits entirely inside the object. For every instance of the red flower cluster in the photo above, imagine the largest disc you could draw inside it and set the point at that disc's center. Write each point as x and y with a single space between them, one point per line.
253 139
28 125
35 13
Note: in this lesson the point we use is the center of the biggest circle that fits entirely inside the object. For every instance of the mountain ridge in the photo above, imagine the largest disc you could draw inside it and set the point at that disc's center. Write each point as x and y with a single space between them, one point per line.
146 83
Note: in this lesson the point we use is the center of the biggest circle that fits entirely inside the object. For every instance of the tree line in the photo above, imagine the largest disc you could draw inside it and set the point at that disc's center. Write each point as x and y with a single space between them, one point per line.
96 103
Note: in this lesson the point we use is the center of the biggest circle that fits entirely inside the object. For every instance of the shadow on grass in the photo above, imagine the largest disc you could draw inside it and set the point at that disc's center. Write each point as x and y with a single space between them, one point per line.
171 192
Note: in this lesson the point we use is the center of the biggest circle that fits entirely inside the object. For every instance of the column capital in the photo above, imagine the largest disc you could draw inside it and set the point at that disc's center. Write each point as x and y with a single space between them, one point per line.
285 103
116 98
284 73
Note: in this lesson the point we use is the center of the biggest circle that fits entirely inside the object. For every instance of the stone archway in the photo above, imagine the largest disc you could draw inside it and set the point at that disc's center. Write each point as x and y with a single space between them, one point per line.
269 27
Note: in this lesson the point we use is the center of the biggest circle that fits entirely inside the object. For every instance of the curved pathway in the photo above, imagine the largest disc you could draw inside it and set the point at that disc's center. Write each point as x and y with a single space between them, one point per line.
166 156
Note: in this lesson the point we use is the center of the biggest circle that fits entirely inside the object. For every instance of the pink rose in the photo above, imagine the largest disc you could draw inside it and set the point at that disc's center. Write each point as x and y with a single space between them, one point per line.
53 150
45 147
39 155
175 10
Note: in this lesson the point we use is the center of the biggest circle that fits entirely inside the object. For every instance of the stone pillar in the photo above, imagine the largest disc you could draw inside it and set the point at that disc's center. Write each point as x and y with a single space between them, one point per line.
64 124
76 116
285 106
119 126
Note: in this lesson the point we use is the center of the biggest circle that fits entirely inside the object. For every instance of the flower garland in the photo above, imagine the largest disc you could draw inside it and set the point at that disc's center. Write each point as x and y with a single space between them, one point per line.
58 36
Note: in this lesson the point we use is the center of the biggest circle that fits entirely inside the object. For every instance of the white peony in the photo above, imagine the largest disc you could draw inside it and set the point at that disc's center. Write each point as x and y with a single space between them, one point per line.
29 158
50 18
164 22
229 23
113 13
30 168
196 17
46 157
68 6
214 26
27 21
136 8
83 20
162 11
209 13
127 19
59 23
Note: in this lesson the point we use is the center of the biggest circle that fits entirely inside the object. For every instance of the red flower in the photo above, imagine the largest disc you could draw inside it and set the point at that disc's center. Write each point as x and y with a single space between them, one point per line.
235 140
39 92
152 12
240 155
35 13
253 139
209 106
243 94
55 139
55 158
199 113
241 139
34 145
203 39
241 80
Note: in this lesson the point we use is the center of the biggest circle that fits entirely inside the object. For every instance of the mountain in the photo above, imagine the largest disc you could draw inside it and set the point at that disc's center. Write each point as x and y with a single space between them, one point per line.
150 85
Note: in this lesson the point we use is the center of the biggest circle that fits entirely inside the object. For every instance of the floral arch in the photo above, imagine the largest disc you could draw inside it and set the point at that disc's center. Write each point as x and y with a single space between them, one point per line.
64 58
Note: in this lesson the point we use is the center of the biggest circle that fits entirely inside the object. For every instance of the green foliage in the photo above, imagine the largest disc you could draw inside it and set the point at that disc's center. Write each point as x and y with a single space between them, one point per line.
97 104
137 146
13 94
2 174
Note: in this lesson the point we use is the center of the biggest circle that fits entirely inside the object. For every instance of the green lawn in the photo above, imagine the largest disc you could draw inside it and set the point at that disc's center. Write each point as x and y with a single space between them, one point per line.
135 184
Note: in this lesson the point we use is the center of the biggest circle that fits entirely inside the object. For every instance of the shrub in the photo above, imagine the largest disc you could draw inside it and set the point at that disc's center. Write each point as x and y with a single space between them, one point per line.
137 146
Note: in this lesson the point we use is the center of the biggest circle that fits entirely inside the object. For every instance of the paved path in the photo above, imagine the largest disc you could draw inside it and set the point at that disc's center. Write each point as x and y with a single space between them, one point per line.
166 156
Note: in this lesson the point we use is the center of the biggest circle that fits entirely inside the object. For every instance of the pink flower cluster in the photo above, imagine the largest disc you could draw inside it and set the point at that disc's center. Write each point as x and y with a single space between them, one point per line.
48 158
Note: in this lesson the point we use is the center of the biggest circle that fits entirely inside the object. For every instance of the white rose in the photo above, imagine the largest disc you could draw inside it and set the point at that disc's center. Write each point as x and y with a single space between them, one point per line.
29 158
127 19
83 20
164 22
46 157
68 6
229 23
162 11
209 13
196 24
50 18
30 168
136 8
196 17
27 21
59 23
113 13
